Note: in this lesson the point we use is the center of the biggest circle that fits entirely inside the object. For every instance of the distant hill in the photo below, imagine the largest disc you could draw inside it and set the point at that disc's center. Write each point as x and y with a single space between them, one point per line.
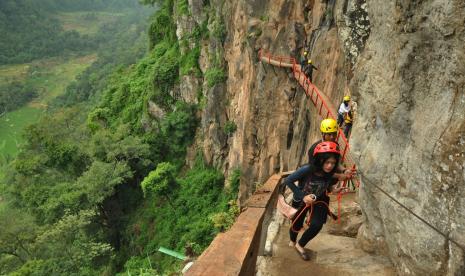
30 30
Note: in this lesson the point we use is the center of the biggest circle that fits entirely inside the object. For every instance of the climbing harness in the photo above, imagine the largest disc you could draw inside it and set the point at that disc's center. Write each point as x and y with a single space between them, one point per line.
309 217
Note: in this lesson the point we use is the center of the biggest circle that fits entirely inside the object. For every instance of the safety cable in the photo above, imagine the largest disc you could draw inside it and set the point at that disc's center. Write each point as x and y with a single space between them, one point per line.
446 236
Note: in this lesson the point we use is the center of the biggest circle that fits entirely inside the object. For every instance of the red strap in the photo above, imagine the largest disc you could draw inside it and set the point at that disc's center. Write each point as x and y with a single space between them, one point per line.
309 218
339 199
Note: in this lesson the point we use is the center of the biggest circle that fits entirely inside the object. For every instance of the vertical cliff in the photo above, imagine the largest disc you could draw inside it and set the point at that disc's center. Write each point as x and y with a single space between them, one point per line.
410 132
403 63
275 122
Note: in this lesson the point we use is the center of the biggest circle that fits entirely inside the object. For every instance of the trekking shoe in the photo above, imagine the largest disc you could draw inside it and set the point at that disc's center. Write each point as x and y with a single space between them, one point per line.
303 255
333 216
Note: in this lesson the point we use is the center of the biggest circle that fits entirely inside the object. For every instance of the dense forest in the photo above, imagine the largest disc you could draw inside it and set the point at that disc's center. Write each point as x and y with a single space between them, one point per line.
100 185
14 95
47 38
29 29
117 48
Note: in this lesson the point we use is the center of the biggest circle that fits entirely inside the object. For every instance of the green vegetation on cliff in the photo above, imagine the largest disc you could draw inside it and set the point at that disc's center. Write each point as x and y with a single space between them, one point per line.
100 184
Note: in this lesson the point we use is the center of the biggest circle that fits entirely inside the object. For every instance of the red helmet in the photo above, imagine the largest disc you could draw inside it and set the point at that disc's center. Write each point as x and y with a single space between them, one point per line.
326 147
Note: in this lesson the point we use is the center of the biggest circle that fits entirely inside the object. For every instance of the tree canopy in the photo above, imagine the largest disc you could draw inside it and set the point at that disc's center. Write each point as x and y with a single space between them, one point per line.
100 183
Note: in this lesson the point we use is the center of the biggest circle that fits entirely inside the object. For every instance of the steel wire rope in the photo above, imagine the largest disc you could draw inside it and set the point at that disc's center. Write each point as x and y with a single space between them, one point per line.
446 236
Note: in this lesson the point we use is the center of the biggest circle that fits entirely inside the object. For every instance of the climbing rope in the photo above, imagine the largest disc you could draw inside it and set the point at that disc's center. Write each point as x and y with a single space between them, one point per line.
309 217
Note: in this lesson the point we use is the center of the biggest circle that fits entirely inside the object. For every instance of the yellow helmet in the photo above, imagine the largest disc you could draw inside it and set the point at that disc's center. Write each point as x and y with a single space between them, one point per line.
305 53
309 61
328 126
346 98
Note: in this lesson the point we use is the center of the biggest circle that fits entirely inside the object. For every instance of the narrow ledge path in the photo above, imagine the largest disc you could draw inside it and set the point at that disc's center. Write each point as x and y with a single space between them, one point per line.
330 254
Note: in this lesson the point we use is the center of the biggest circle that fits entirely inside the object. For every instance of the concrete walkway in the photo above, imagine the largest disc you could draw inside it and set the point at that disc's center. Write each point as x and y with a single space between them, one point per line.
330 255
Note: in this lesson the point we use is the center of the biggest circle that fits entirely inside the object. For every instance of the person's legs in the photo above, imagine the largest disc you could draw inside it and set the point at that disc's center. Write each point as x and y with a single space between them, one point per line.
347 130
340 119
296 224
310 233
319 215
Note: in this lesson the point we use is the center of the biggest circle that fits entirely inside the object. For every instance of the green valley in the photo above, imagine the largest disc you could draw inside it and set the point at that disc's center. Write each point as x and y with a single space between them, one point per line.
97 183
49 77
86 23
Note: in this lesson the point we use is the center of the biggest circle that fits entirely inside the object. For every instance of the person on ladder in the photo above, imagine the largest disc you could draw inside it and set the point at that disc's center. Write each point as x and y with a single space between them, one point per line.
308 70
303 61
329 129
344 108
348 120
314 181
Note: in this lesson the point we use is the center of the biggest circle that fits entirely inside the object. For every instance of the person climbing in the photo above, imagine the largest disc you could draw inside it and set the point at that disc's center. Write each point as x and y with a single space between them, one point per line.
329 129
308 70
303 60
348 120
314 180
343 109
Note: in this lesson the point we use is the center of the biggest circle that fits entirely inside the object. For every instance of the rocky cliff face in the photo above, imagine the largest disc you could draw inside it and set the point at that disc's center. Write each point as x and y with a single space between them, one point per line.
275 122
404 63
410 132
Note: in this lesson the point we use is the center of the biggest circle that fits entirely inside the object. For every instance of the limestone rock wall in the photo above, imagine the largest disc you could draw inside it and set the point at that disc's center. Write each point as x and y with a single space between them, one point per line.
276 123
410 133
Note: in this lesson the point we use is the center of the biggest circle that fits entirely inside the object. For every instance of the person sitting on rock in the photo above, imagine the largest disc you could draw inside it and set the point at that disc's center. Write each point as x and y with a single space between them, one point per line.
314 180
